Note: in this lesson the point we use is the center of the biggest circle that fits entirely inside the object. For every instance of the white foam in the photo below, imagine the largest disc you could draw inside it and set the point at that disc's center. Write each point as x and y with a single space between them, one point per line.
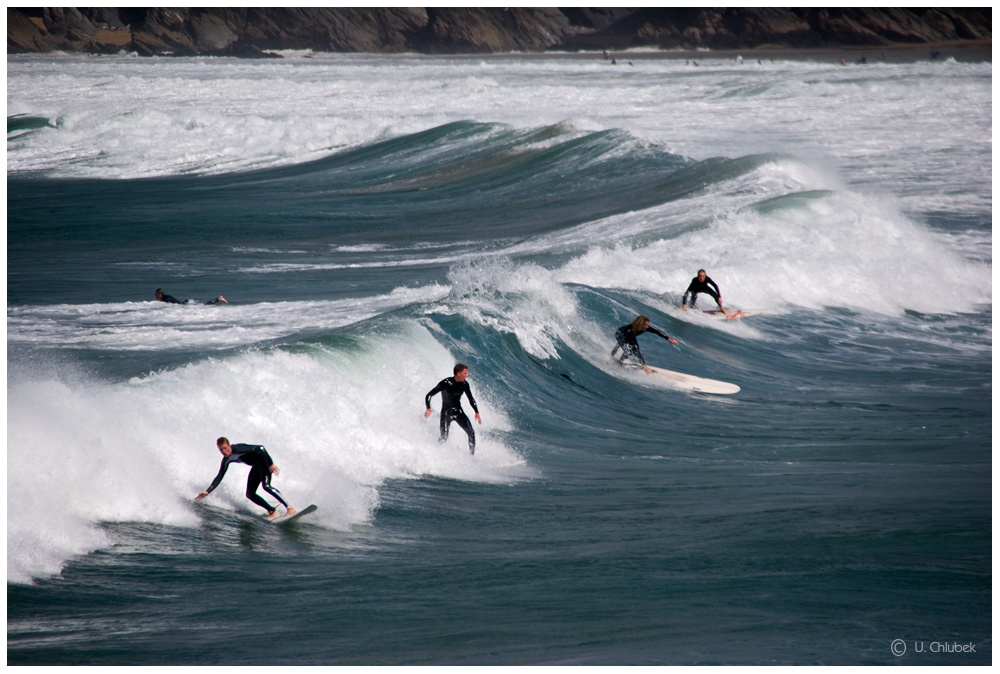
127 117
842 249
887 141
521 299
155 326
338 424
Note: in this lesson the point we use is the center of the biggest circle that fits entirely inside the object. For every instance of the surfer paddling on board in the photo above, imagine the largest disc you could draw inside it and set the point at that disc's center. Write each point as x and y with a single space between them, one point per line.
702 284
451 390
630 347
163 297
261 468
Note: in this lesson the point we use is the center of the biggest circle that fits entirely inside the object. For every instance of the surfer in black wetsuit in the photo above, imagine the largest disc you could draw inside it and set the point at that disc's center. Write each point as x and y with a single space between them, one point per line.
626 336
451 390
702 284
163 297
261 468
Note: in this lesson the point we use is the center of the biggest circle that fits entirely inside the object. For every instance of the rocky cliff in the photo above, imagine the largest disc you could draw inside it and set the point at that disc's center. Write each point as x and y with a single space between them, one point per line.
256 32
672 28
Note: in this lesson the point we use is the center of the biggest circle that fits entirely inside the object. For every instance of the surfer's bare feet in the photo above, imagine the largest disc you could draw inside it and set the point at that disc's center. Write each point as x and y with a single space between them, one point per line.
290 511
273 515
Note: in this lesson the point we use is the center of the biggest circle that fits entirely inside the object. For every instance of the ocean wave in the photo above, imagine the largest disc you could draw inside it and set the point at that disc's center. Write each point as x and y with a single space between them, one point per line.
89 451
159 327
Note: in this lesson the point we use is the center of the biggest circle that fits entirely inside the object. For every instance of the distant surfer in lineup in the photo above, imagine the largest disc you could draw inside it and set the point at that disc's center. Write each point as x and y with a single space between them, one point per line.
702 284
261 468
451 390
626 336
163 297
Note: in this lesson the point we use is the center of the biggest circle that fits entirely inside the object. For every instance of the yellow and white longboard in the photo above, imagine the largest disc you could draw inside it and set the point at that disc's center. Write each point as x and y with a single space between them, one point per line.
736 313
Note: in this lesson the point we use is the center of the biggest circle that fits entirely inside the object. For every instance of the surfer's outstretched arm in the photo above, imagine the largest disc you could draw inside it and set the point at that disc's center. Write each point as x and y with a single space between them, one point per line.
216 481
662 334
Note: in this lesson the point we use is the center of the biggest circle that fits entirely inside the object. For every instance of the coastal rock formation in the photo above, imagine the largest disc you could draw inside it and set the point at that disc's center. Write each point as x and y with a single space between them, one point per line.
673 28
490 30
254 32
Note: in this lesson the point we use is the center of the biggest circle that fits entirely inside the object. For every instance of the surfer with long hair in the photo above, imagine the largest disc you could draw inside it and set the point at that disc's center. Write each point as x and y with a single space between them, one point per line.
626 336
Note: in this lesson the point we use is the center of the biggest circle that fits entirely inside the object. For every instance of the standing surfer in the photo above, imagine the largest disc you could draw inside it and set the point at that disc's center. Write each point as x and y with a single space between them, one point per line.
702 284
626 336
261 468
451 390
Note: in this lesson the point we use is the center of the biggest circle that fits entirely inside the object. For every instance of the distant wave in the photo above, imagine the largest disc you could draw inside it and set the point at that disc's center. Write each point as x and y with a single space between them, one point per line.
154 326
460 177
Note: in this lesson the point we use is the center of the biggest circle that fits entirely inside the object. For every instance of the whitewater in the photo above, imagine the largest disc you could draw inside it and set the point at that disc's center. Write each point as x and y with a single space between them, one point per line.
372 221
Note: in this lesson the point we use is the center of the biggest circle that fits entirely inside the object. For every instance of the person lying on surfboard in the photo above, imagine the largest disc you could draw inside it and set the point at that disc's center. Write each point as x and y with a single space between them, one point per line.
702 284
261 468
170 299
630 347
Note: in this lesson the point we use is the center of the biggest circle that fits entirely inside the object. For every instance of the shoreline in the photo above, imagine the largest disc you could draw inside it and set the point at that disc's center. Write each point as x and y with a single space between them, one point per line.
965 51
970 51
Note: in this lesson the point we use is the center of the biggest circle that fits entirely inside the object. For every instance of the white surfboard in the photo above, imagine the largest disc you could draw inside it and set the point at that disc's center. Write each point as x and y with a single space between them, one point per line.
691 383
287 519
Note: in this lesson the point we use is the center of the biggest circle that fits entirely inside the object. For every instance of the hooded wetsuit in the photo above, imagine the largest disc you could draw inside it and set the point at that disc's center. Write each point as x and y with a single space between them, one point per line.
260 463
451 407
628 344
705 286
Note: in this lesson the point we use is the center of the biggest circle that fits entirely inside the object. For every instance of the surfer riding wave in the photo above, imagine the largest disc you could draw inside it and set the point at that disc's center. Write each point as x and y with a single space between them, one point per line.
626 336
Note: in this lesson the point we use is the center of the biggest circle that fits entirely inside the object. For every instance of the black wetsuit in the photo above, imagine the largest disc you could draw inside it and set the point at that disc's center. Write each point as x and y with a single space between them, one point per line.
628 344
705 286
260 463
451 407
169 299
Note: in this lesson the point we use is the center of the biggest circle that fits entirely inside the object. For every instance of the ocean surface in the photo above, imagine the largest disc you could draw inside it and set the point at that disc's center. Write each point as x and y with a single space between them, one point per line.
374 220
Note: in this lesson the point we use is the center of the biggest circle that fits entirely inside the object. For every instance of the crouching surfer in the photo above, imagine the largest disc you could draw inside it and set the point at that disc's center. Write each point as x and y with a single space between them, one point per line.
626 336
702 284
261 468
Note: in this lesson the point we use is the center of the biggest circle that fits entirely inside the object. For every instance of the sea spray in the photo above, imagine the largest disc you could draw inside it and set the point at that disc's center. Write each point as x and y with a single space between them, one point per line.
818 249
405 213
339 418
521 299
156 326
